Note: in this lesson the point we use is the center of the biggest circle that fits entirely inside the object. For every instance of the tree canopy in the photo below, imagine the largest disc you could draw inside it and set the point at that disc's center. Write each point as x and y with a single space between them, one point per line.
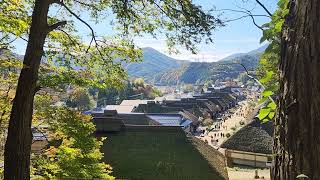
57 55
70 58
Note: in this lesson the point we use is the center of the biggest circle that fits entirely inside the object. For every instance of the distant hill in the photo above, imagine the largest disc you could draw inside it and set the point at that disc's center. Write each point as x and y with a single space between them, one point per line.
194 72
201 71
154 62
161 69
254 53
4 53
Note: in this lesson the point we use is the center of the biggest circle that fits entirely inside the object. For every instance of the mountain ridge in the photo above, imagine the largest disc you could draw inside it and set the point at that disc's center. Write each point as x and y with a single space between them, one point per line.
158 68
153 62
169 71
252 52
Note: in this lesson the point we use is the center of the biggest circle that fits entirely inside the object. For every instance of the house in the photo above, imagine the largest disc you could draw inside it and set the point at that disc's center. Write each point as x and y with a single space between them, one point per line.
39 139
121 108
176 120
135 102
128 106
112 121
108 121
157 144
251 145
94 111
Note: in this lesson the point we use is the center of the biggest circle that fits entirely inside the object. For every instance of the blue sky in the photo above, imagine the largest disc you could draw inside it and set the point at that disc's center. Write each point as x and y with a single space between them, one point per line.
236 37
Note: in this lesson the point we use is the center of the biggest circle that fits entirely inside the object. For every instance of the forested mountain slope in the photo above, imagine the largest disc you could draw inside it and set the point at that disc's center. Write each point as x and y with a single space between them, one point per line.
202 71
168 71
154 62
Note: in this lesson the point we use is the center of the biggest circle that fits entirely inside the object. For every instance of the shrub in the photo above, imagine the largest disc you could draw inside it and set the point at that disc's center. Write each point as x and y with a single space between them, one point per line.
228 135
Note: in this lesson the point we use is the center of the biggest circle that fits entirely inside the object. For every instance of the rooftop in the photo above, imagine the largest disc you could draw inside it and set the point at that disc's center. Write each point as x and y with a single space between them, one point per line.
133 102
255 137
121 108
170 119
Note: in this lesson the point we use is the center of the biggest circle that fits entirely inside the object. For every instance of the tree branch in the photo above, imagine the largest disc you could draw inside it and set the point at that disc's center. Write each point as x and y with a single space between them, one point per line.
248 14
4 37
245 17
7 43
169 16
264 7
255 23
55 1
38 88
70 38
255 79
84 22
87 5
56 25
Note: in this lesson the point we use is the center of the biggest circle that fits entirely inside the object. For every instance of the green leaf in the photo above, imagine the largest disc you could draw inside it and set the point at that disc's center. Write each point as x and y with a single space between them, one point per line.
267 77
269 49
278 26
263 39
272 105
267 93
266 25
265 120
266 35
263 113
271 115
263 100
273 87
282 3
263 61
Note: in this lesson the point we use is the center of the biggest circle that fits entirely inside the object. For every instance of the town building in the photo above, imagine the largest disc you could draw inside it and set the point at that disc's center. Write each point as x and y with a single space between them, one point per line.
251 145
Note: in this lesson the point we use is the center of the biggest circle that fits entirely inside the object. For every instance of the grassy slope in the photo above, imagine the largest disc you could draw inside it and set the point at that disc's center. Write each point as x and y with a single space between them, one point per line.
156 155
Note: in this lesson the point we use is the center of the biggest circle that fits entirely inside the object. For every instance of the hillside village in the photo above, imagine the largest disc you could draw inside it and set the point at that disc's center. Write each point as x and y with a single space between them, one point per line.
219 122
159 89
212 125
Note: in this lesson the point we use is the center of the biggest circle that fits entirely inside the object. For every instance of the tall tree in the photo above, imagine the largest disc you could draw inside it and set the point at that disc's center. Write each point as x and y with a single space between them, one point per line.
81 99
297 142
51 40
17 148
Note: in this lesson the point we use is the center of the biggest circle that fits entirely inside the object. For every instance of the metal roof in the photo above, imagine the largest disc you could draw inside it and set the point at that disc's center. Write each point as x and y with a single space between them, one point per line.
170 120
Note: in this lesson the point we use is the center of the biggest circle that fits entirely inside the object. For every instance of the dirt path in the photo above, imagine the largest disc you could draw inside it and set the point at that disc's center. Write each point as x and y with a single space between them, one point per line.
229 124
247 174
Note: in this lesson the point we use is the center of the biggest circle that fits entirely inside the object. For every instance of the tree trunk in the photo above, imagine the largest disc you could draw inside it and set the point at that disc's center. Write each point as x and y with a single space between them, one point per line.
19 139
297 126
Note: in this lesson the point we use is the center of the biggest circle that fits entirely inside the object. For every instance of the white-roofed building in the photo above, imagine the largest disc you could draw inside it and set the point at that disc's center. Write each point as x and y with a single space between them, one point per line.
121 108
135 102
